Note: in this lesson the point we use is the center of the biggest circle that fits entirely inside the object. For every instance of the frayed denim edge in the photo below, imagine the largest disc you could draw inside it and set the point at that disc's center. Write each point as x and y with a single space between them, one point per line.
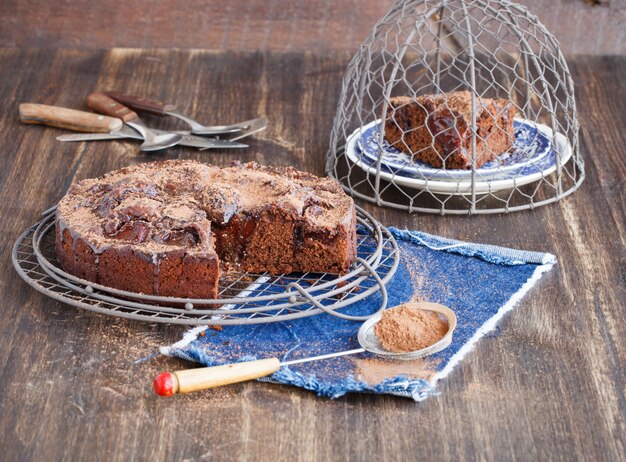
489 253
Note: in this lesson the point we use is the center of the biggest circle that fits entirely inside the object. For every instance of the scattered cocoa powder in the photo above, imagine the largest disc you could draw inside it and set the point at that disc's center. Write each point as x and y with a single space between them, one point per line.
409 327
373 370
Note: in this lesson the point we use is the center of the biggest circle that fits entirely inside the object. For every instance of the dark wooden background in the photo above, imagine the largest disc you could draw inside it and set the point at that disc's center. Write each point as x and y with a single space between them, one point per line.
582 26
549 384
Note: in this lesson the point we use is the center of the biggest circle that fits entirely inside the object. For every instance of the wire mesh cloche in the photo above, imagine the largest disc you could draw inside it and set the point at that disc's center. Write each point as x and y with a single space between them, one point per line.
457 106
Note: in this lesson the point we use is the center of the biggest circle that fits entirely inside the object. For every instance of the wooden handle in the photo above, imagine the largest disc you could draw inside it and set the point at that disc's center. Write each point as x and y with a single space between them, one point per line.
101 103
78 121
141 104
170 383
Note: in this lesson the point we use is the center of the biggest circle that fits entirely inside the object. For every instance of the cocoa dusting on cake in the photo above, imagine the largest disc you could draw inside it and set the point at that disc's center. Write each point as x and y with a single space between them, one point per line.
437 129
408 328
164 227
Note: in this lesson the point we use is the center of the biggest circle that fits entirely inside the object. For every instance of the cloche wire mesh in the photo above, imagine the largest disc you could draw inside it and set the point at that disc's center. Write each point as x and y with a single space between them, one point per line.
432 49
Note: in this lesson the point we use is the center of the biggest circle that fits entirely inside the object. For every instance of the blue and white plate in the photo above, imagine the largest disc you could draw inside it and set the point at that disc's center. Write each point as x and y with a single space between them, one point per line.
532 157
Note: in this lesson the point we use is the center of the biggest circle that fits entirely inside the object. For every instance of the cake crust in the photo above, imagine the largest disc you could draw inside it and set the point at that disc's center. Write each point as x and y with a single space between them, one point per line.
163 228
436 129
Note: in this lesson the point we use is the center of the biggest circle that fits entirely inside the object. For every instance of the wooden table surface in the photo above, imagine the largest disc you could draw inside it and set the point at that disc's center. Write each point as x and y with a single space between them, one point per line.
548 385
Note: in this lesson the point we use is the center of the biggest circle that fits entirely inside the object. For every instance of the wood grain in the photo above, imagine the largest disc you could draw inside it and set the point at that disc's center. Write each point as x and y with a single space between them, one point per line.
582 26
549 385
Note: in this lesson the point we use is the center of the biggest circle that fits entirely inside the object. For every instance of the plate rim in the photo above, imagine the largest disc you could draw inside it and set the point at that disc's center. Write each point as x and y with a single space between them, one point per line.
436 174
464 186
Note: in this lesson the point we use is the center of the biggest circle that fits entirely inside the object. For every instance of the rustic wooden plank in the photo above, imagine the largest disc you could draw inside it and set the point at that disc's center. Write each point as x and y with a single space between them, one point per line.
548 385
582 26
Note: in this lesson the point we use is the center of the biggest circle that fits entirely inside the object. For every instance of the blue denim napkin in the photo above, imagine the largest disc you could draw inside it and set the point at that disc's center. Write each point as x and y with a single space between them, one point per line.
479 282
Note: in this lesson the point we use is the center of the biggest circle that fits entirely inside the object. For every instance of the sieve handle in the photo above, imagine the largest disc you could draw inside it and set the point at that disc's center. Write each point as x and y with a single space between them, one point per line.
171 383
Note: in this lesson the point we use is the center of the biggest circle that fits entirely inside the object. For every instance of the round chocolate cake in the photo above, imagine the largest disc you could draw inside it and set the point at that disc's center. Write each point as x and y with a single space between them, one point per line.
163 228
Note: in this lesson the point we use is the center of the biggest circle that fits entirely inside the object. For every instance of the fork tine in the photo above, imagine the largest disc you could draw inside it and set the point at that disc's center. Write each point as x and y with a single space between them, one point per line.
228 129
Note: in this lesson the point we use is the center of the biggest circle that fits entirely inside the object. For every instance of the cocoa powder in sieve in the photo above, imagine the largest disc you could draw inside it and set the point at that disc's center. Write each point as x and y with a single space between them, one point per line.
409 327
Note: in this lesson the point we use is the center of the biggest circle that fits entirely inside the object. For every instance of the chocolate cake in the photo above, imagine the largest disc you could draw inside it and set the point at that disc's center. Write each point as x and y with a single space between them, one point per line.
163 228
437 129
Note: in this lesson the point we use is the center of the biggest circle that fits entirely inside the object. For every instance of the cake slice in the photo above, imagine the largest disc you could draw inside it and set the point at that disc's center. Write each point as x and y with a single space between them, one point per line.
437 129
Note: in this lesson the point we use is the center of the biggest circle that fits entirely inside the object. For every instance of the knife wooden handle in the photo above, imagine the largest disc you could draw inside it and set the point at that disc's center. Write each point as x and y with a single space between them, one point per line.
78 121
101 103
170 383
138 103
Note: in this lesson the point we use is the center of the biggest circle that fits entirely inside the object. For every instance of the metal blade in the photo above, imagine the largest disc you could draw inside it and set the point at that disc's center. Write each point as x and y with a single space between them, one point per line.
95 137
187 140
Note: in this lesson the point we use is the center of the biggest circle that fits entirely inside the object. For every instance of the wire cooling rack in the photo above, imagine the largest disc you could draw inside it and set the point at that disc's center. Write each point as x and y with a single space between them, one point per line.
243 298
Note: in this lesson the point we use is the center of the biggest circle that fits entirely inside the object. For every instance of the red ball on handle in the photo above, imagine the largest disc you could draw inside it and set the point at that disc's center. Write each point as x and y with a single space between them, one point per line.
165 384
202 378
